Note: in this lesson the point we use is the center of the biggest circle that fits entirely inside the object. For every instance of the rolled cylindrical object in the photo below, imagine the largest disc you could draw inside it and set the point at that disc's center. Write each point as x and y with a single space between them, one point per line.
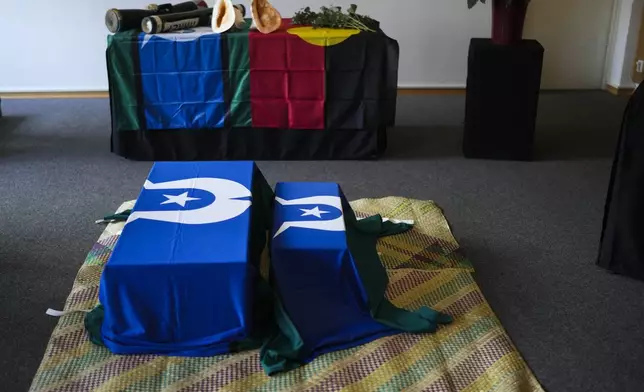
117 20
177 21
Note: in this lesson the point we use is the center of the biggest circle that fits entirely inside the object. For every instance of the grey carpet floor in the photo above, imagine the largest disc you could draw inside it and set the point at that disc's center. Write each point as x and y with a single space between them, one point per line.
531 228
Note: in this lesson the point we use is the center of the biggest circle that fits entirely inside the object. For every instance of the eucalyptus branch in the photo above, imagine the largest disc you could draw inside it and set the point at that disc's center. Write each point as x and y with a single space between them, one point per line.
333 17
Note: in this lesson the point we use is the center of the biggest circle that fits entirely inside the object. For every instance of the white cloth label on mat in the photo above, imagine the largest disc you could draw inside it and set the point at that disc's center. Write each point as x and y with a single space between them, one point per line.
61 313
407 221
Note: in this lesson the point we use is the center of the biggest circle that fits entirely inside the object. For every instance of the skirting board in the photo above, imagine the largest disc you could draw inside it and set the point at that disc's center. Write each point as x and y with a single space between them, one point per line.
51 94
619 90
105 94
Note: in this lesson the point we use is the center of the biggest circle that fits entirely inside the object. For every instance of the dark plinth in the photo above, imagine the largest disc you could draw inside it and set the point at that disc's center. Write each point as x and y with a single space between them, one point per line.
503 83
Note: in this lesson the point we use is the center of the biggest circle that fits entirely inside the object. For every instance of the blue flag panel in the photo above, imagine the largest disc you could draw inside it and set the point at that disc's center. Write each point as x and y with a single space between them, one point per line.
182 79
179 281
314 272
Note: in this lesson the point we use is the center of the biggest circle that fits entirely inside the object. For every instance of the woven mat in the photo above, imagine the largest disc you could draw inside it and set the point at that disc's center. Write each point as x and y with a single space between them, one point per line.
425 266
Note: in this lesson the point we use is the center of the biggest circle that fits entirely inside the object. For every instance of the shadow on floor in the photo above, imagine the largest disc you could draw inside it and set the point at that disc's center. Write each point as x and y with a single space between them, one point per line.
419 143
574 144
571 125
27 137
551 143
8 128
8 124
581 128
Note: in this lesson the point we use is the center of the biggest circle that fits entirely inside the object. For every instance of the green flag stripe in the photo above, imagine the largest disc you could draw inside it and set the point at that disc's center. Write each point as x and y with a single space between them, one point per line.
121 73
239 77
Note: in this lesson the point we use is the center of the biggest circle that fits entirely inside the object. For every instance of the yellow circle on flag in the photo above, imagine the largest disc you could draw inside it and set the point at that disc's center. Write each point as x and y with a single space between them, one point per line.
323 36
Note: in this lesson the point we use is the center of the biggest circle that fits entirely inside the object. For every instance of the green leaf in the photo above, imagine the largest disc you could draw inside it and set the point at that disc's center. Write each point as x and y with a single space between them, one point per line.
333 17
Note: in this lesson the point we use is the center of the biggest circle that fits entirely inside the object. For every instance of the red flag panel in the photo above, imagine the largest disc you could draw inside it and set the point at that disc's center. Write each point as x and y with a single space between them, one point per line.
286 81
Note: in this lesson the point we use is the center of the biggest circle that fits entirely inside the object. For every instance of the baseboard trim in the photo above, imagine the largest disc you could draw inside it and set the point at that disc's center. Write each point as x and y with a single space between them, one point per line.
105 94
52 94
619 90
430 91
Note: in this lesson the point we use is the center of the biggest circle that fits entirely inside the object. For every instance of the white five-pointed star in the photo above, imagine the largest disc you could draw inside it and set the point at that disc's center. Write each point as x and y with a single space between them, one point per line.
313 211
180 199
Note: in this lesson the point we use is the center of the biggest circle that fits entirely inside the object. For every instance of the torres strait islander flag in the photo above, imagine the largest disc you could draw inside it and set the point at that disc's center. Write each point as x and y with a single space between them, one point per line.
295 78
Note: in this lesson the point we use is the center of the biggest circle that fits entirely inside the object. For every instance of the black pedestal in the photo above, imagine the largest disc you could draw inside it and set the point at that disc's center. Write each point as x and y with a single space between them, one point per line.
503 85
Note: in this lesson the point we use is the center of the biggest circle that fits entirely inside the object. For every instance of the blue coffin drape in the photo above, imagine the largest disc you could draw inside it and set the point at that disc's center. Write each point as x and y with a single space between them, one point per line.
182 277
314 273
328 279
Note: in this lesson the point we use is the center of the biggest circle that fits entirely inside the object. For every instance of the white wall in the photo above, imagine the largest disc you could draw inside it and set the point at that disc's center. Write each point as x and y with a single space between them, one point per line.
59 45
575 36
624 36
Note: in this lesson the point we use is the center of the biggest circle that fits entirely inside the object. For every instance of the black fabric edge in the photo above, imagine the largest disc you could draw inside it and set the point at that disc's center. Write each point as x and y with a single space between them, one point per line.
110 99
610 254
248 144
138 82
225 67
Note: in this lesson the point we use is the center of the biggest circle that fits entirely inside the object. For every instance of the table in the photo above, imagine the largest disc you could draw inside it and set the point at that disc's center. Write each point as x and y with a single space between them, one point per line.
298 93
182 277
